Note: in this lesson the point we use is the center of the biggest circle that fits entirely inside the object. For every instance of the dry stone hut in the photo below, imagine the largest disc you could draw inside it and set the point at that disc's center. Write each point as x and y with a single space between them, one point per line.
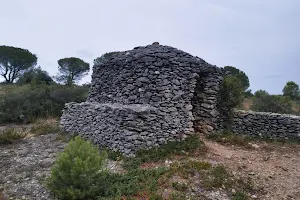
146 97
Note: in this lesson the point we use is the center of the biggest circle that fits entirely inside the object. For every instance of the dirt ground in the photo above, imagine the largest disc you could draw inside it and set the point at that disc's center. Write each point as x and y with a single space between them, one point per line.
276 168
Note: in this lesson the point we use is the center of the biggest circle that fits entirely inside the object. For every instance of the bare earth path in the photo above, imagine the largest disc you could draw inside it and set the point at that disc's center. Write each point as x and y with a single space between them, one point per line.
276 168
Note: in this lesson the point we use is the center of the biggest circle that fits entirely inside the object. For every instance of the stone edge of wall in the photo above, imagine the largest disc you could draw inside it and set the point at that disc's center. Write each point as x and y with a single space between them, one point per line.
126 128
266 124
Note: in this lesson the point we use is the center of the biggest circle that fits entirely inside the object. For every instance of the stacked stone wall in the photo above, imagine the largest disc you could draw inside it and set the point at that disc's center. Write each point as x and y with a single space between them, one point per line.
179 88
270 125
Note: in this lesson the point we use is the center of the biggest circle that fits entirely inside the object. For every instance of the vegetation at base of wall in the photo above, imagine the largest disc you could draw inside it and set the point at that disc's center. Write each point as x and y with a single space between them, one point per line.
24 104
79 173
189 145
113 155
11 135
43 127
227 137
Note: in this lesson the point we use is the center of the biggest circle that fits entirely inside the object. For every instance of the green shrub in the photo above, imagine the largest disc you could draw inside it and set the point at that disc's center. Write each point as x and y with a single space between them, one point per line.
264 102
189 145
232 94
9 135
35 75
133 182
239 196
30 102
218 177
78 172
182 187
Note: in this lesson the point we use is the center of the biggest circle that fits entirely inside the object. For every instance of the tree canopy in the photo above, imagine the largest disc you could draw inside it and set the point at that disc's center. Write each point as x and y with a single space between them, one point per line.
36 76
14 61
240 75
231 96
72 69
291 89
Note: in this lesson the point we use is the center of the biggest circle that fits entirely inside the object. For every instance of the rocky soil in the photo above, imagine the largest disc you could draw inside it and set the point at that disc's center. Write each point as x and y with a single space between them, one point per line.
275 167
24 166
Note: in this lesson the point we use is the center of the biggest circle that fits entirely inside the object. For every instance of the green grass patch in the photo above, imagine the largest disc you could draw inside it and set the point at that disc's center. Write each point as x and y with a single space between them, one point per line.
10 135
113 155
182 187
186 147
79 173
189 168
132 183
217 177
240 196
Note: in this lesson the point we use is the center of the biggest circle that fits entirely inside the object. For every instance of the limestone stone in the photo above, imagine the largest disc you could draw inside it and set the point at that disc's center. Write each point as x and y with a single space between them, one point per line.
141 97
264 124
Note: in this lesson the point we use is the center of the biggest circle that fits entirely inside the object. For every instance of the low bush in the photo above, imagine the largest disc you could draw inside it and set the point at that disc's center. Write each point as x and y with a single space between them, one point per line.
134 182
264 102
78 172
24 104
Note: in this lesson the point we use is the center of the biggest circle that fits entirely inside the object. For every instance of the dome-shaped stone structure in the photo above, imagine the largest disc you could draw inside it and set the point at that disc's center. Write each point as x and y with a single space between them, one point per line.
146 97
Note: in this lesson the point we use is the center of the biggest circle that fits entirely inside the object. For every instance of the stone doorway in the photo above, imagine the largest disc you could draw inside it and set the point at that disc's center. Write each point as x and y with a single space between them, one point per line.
204 103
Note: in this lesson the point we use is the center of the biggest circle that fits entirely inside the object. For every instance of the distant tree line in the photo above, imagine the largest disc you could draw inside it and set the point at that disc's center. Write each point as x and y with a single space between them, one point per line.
19 64
30 93
235 87
35 94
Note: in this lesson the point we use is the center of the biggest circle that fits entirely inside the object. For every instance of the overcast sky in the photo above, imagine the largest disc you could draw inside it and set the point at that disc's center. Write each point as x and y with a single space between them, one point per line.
260 37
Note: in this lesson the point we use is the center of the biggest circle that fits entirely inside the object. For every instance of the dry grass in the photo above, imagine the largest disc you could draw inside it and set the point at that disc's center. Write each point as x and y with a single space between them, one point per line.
43 127
247 103
14 133
11 135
